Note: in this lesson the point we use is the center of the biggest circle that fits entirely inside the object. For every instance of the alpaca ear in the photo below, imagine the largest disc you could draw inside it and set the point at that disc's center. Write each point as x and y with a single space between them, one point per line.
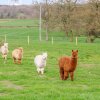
72 50
77 50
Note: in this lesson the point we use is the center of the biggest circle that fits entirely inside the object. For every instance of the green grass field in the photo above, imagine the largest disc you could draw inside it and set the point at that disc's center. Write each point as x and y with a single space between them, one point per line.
21 82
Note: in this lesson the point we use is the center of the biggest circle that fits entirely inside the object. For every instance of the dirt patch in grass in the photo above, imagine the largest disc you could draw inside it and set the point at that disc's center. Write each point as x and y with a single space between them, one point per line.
9 84
3 94
8 73
1 73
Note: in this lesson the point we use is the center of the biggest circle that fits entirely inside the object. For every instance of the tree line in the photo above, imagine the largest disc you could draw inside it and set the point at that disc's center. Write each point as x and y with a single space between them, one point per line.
19 12
74 18
69 16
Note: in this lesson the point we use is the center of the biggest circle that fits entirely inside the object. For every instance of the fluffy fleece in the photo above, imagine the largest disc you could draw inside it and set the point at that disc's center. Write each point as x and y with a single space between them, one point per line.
4 50
17 55
40 62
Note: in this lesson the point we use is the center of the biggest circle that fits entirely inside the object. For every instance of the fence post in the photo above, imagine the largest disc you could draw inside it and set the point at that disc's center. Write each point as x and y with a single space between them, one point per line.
28 39
52 40
76 40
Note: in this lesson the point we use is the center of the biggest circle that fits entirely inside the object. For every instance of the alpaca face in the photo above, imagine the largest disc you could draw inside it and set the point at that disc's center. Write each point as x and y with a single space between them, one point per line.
44 55
74 53
6 45
21 49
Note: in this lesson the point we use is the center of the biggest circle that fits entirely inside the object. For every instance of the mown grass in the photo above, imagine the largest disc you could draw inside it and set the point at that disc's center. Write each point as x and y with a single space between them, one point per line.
21 82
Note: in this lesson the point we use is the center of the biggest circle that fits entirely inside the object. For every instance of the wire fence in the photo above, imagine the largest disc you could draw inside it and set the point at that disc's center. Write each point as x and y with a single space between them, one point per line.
27 39
31 39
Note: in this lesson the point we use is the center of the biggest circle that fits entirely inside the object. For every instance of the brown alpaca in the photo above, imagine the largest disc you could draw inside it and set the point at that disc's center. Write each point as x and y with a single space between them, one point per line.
68 65
17 55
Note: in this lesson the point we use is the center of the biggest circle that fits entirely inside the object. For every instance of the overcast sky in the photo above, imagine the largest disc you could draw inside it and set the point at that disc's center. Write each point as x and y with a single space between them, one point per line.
5 2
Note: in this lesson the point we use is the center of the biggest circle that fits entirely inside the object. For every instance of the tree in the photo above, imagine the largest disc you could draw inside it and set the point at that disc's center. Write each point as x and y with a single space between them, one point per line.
93 22
94 14
66 10
46 16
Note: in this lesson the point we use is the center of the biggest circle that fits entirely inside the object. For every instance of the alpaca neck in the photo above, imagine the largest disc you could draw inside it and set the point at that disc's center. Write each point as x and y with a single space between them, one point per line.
74 61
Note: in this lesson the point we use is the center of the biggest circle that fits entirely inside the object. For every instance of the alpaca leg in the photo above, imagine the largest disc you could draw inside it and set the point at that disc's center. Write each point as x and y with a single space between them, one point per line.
72 75
19 61
38 70
14 59
65 75
61 74
5 59
42 70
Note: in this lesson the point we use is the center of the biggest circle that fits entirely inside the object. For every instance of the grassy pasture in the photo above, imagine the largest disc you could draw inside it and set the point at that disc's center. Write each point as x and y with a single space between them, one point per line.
21 82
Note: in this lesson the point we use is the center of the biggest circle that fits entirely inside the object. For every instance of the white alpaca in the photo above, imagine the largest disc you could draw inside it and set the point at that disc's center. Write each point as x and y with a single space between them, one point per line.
4 51
40 62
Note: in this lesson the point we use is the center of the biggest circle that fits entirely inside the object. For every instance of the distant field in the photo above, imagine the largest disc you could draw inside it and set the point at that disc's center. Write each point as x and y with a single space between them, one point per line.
15 22
21 82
